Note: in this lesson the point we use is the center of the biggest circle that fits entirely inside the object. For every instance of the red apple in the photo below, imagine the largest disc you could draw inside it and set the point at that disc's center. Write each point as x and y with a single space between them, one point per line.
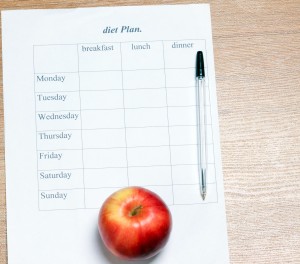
134 223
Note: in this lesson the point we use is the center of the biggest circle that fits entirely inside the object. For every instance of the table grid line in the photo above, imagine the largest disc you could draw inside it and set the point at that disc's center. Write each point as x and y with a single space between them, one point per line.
124 90
129 147
121 108
35 120
124 167
124 113
117 70
121 186
82 158
117 42
168 120
112 128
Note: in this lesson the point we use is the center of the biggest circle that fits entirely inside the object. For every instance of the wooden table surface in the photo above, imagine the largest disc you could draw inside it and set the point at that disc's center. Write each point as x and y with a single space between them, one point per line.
257 59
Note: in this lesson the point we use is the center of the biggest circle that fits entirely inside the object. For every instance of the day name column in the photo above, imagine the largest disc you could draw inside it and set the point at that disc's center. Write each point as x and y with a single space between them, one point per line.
58 122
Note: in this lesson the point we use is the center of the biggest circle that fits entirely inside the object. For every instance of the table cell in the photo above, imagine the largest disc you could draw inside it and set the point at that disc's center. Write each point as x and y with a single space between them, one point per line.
144 79
112 177
94 100
184 96
186 116
59 159
99 57
145 117
61 199
107 119
188 174
100 81
182 53
148 136
58 120
181 96
104 138
164 192
186 135
148 156
184 154
60 179
211 173
180 78
94 198
185 174
145 98
60 139
104 158
56 82
188 154
183 135
55 58
144 176
182 116
190 194
142 55
58 101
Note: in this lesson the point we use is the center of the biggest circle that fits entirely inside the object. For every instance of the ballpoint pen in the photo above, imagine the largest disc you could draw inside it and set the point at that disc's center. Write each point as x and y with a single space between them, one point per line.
201 123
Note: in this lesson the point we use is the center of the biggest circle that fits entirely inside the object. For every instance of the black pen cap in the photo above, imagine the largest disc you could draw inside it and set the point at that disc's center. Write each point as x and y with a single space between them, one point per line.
200 73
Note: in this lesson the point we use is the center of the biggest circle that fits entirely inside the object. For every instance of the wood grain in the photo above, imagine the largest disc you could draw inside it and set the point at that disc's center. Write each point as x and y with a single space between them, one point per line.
257 59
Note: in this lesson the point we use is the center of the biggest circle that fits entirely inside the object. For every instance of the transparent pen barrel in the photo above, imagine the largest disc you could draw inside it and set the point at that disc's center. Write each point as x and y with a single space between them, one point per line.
201 131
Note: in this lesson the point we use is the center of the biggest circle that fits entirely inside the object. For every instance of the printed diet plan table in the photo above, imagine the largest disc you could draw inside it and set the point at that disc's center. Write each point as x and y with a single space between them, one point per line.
110 115
98 99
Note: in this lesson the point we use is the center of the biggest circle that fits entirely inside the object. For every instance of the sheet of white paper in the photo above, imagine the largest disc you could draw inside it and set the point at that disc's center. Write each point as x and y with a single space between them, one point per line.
101 98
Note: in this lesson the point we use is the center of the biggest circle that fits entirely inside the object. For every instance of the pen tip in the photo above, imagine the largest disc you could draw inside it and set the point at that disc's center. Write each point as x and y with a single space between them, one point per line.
203 196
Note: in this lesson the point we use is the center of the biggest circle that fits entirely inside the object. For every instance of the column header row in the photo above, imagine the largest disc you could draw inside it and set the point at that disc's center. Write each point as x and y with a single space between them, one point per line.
140 55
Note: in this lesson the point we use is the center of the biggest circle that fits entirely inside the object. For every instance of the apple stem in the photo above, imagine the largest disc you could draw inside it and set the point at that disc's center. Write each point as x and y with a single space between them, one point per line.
136 210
